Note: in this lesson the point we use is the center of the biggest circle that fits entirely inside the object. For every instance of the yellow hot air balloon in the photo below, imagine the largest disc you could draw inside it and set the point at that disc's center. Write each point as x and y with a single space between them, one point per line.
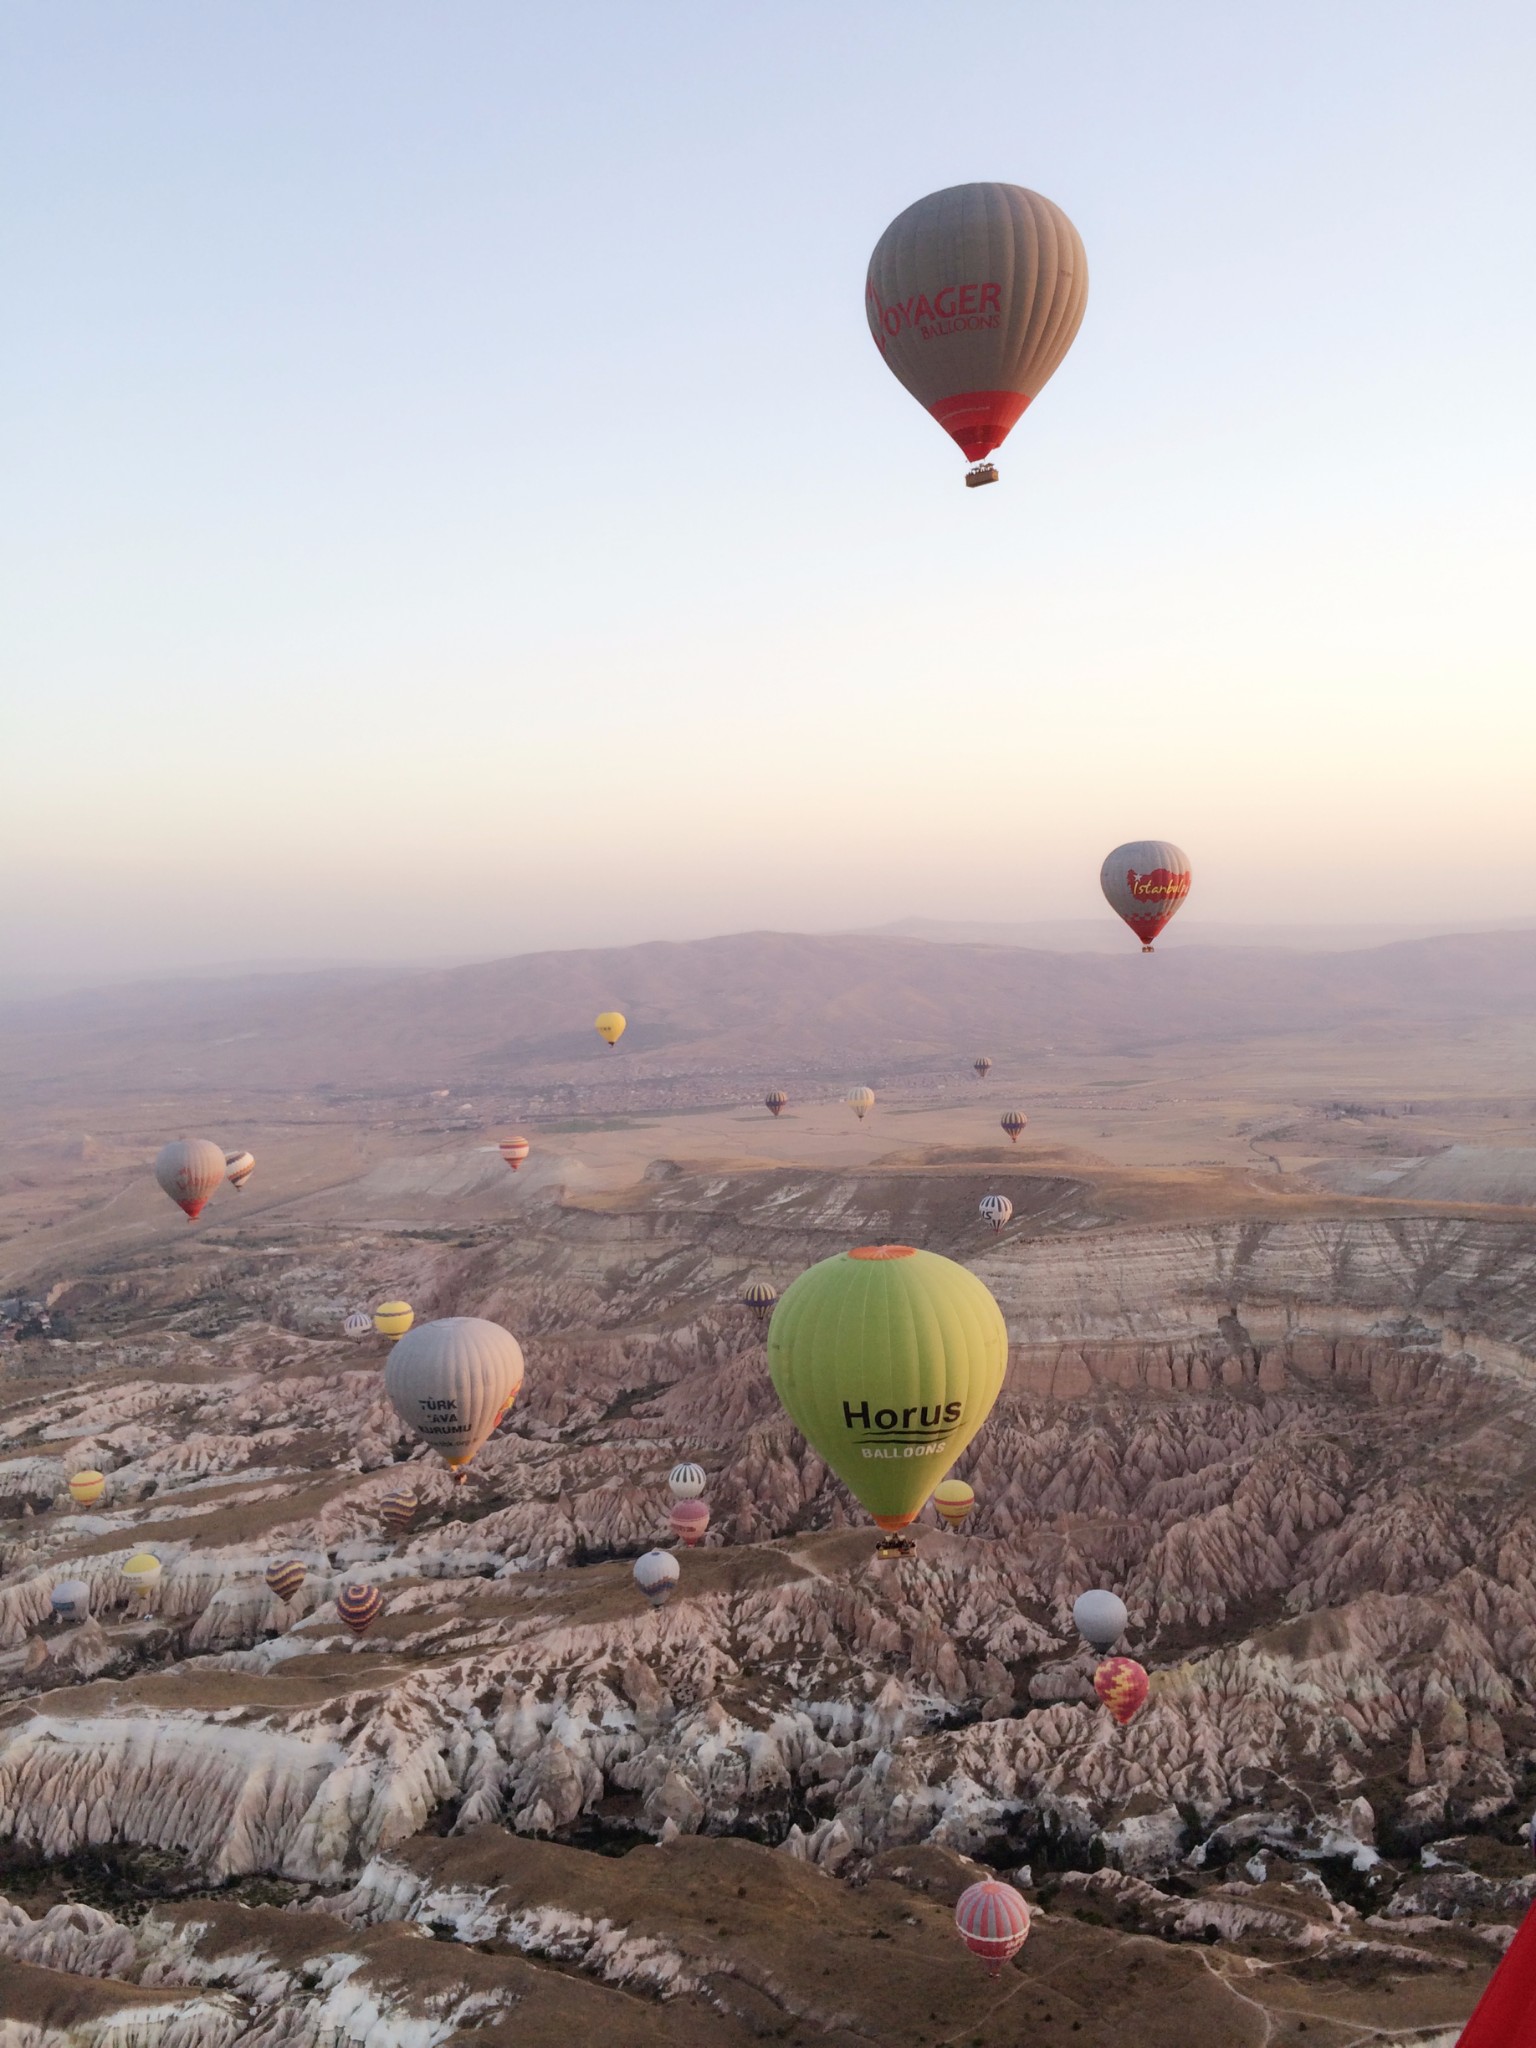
142 1571
954 1500
86 1488
888 1360
610 1026
393 1318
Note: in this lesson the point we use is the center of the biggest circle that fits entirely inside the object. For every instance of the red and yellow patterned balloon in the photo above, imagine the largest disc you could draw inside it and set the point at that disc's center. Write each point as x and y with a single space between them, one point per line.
1121 1683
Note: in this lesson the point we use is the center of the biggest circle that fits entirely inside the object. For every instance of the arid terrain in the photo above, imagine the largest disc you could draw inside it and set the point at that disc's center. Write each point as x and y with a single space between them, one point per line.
1270 1286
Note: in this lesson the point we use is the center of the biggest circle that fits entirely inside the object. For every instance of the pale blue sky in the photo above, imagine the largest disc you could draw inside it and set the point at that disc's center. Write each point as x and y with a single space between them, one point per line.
452 503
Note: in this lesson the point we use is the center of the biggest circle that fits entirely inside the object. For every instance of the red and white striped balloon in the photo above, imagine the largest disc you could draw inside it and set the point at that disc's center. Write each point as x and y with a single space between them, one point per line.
993 1921
514 1151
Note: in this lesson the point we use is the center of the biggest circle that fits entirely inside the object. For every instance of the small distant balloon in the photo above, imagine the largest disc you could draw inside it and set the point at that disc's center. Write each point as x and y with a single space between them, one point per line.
983 1066
993 1920
1100 1618
610 1026
189 1169
1014 1122
515 1151
142 1571
86 1488
238 1168
656 1574
997 1209
686 1481
689 1519
285 1576
760 1298
776 1102
71 1600
358 1324
359 1607
1121 1683
954 1500
1144 882
393 1318
397 1510
861 1101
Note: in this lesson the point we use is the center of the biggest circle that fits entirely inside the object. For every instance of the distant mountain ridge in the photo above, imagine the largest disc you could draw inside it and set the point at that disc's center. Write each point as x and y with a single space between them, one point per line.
775 1001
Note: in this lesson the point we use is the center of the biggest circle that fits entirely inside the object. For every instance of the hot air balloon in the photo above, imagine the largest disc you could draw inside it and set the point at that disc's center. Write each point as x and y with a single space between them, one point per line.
238 1168
760 1298
776 1103
656 1574
1145 881
86 1488
686 1481
1121 1684
142 1571
997 1209
974 295
689 1519
993 1921
1100 1619
861 1101
397 1511
71 1600
452 1381
888 1360
285 1576
609 1025
983 1067
359 1607
359 1324
514 1151
1013 1123
954 1500
189 1169
393 1318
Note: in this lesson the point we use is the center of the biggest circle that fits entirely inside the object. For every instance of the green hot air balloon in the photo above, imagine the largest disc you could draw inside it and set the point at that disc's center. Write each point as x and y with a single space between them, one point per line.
888 1360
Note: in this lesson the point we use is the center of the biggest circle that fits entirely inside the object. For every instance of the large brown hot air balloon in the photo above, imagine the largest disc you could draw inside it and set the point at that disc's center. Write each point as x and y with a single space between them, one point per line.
974 295
1145 881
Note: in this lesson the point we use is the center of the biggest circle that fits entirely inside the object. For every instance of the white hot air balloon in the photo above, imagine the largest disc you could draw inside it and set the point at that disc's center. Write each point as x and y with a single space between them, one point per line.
452 1381
71 1600
1144 882
861 1101
1100 1618
656 1574
358 1325
189 1169
997 1209
974 295
687 1481
238 1168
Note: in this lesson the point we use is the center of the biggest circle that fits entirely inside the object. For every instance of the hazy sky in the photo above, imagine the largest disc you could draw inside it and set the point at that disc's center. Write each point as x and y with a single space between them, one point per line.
452 502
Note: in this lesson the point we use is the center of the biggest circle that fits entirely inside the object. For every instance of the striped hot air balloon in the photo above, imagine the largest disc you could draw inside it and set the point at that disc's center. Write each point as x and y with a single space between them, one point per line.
689 1519
861 1101
86 1488
397 1510
285 1576
974 295
983 1067
359 1607
993 1921
954 1500
776 1102
238 1168
1014 1122
760 1298
1144 882
1121 1684
996 1209
686 1481
515 1151
358 1324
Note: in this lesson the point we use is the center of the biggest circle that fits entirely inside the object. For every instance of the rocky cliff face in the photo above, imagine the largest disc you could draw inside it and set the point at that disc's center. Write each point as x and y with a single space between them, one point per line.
1300 1450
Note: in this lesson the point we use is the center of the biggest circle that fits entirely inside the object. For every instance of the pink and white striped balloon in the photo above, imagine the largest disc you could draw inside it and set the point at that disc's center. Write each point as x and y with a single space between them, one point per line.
993 1921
